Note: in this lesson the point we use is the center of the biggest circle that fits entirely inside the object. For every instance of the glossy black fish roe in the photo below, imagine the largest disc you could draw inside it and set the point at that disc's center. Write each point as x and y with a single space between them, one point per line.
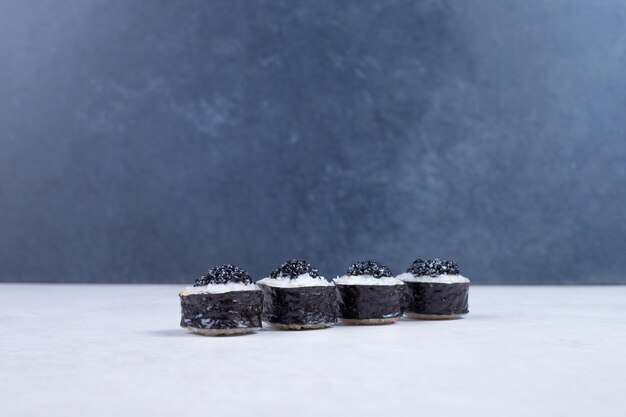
224 274
293 268
373 268
433 267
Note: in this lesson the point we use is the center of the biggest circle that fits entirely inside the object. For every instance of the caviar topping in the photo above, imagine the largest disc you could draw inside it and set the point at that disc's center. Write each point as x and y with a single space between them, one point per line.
224 274
373 268
433 267
293 268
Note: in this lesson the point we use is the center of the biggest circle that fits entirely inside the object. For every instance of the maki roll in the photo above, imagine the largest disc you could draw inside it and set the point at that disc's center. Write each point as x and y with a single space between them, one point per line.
369 294
435 290
223 302
296 297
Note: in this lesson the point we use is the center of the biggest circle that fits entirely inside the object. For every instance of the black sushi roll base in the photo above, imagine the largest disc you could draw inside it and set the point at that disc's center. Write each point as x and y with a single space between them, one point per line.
369 322
361 304
222 332
417 316
221 314
299 308
281 326
436 301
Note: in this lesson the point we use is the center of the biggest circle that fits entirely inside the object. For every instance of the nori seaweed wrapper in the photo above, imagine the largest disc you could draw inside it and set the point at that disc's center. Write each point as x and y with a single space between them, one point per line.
435 298
229 310
299 305
370 301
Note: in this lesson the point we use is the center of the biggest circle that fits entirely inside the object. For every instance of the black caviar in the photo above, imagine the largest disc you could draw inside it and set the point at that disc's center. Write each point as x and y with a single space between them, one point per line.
433 267
373 268
224 274
293 268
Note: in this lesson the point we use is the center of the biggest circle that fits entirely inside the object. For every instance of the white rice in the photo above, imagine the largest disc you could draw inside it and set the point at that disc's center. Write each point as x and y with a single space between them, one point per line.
440 279
219 288
366 280
304 280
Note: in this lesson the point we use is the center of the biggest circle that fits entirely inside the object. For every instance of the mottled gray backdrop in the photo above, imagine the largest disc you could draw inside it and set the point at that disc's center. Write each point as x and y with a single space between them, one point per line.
146 141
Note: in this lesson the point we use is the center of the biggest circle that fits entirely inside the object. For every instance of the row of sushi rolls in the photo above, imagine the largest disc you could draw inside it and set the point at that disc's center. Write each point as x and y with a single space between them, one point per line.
295 296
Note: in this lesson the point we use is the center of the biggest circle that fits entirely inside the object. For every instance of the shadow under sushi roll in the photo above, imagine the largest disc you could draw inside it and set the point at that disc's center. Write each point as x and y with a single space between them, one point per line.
435 290
369 294
223 302
296 297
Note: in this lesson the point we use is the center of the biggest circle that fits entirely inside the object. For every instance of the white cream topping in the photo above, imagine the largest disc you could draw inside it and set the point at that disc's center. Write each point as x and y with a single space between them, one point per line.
304 280
440 279
366 280
220 288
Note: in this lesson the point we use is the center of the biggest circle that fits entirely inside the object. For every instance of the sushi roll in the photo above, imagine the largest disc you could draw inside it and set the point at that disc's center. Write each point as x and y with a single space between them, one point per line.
223 302
296 297
369 294
435 290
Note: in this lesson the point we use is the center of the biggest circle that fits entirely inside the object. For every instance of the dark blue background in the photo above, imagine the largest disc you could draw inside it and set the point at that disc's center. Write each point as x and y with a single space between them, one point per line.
149 140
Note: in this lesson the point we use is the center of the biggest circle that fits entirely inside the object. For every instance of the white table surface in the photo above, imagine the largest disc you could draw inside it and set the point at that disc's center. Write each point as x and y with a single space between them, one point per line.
117 350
